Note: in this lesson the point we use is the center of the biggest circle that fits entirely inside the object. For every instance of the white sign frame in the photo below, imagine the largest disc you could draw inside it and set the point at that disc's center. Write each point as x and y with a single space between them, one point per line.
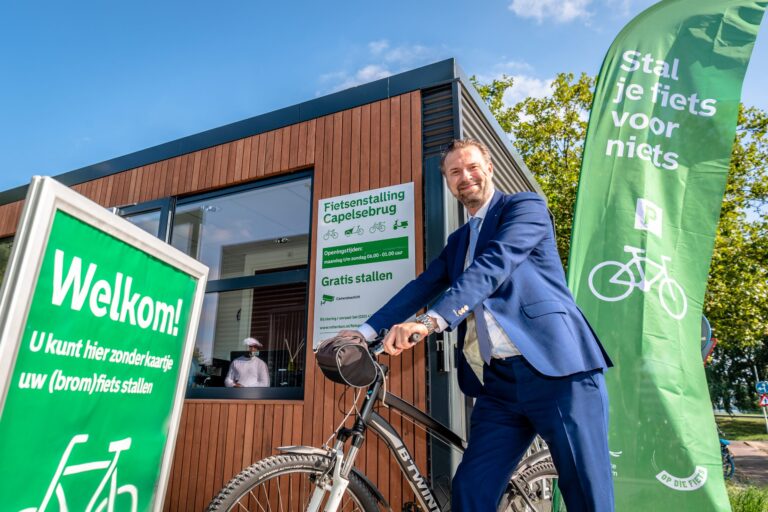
45 197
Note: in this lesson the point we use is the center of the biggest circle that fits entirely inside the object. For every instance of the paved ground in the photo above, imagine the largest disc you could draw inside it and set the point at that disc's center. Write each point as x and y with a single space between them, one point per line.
751 459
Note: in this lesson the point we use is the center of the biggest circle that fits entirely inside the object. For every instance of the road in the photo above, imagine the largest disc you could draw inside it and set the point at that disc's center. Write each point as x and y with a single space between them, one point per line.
751 459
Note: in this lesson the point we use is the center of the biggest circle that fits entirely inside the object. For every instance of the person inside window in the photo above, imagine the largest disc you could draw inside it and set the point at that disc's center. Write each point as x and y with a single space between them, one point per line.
248 371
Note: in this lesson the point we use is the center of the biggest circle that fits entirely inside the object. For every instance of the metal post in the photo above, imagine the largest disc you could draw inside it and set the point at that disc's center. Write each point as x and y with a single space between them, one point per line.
765 413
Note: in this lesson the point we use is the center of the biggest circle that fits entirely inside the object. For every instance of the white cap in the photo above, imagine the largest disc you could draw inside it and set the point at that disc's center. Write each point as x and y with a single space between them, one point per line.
252 342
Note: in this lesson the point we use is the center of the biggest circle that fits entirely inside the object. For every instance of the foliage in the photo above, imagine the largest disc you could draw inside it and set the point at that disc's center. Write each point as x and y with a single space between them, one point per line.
549 134
742 428
5 254
731 376
747 499
737 291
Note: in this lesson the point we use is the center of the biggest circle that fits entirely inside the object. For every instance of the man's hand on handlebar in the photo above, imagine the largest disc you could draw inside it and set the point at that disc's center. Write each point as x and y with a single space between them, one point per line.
397 338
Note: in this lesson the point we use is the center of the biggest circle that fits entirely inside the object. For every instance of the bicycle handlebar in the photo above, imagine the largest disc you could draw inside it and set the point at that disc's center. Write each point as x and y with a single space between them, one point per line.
376 346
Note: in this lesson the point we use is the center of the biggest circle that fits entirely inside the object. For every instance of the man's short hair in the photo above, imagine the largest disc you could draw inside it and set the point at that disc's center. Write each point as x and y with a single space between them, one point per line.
464 143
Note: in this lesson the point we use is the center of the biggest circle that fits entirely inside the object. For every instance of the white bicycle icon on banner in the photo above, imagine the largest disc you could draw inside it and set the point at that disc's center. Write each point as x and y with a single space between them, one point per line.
108 502
613 281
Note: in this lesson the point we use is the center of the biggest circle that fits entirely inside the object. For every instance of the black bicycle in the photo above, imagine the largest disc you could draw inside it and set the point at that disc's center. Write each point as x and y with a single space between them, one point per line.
313 479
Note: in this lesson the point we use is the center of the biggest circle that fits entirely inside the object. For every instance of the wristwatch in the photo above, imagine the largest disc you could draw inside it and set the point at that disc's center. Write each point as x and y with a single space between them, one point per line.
427 322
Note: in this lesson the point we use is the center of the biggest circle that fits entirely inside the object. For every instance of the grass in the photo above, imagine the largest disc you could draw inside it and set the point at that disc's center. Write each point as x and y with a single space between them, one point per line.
748 499
742 428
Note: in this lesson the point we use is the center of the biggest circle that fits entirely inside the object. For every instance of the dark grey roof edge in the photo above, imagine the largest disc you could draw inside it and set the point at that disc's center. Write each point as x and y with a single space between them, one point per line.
500 133
408 81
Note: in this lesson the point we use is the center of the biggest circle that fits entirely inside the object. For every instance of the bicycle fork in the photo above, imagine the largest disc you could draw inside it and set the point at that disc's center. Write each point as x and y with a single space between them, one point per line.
342 466
336 487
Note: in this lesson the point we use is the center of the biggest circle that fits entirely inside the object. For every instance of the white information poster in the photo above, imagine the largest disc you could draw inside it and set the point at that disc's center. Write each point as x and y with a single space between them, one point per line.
365 254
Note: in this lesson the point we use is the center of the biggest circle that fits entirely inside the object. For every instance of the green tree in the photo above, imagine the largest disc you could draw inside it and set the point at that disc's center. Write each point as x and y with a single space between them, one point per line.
549 134
737 291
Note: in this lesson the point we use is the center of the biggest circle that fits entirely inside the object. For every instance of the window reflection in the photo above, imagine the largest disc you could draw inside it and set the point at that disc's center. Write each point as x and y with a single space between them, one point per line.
149 221
248 232
274 315
247 237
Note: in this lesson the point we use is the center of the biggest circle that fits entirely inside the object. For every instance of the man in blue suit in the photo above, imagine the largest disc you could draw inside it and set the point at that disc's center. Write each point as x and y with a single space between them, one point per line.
525 349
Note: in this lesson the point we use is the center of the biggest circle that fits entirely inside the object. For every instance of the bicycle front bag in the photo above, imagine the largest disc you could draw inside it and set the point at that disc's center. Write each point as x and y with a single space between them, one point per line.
347 360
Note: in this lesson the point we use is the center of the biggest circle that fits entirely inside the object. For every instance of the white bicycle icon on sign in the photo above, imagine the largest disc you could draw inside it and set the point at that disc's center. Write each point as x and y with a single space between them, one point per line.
613 281
95 504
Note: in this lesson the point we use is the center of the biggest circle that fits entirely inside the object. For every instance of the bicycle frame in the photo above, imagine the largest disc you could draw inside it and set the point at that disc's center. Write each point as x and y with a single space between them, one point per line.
368 418
419 485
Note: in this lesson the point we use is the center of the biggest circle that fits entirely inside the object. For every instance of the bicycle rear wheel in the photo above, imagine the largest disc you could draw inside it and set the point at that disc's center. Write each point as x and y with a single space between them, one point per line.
286 483
729 467
537 482
611 281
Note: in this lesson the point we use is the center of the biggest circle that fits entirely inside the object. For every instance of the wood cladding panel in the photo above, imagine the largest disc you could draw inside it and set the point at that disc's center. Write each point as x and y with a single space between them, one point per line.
368 147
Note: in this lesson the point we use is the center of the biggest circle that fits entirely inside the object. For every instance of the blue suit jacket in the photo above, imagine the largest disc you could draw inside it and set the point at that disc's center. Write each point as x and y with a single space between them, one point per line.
518 277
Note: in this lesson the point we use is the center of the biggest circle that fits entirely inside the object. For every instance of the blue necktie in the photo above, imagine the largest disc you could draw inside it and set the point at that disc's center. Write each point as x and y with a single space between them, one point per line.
483 339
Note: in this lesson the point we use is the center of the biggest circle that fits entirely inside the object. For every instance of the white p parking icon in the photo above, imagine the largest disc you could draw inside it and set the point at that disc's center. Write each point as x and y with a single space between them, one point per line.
648 216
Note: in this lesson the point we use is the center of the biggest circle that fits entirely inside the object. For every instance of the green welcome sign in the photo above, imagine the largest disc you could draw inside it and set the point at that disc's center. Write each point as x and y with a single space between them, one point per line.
97 323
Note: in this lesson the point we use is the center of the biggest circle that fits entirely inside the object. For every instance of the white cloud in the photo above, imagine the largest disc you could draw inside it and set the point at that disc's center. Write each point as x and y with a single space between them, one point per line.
376 47
407 55
345 80
561 11
524 86
383 60
505 67
403 54
371 72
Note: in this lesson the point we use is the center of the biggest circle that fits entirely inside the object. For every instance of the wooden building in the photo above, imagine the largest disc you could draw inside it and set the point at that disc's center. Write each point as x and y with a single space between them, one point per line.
214 194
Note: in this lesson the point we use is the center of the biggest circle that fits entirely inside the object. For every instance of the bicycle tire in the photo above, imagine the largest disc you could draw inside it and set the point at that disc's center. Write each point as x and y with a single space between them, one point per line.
258 487
536 482
729 466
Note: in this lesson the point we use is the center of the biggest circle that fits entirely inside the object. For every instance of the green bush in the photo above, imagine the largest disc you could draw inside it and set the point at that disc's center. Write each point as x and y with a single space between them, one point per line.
748 499
742 428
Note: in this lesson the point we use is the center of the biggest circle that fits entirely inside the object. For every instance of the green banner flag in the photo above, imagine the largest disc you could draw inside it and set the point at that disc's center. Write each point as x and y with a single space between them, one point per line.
653 177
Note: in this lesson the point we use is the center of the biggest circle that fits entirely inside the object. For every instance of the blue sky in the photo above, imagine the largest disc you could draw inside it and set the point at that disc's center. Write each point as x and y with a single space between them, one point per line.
87 81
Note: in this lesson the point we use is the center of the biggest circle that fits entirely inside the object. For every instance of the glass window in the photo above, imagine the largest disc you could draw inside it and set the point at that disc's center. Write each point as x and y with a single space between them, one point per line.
149 221
246 233
276 316
255 240
151 216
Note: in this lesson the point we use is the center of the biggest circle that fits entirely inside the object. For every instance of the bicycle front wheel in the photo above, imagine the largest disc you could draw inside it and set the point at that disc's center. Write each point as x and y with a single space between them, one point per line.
286 483
537 483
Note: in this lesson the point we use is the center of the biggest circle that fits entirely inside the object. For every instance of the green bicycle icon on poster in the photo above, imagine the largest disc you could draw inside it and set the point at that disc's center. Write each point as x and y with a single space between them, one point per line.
102 499
612 281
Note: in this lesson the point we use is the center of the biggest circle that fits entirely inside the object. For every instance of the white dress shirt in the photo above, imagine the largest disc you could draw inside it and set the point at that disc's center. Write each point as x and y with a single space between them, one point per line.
501 345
